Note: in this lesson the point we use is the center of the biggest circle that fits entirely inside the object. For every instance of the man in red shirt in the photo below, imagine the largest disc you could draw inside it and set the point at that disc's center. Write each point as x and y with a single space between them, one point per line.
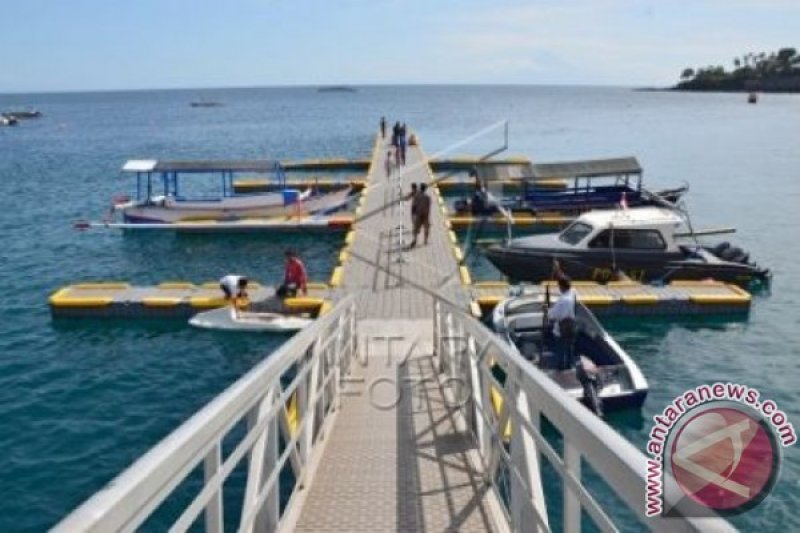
294 277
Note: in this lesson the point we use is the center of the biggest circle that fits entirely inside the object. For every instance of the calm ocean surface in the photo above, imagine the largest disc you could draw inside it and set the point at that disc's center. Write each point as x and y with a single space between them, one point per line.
79 401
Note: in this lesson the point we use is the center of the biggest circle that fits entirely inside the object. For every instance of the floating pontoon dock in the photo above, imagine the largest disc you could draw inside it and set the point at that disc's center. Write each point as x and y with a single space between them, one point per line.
386 414
173 299
629 298
321 184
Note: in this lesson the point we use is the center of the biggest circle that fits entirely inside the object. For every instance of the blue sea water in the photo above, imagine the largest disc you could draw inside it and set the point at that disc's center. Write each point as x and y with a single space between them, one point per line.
79 401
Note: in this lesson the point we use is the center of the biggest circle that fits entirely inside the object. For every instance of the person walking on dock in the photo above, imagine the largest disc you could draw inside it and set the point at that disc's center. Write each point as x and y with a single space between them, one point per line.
396 143
383 128
387 164
421 212
413 197
294 277
402 144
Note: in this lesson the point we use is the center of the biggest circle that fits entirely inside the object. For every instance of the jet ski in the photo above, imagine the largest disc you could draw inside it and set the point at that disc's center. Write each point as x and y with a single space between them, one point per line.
231 319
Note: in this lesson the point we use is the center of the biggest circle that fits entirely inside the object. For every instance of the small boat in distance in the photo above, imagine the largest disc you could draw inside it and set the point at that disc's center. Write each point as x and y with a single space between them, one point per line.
205 104
165 196
573 186
336 89
6 120
24 114
641 242
602 375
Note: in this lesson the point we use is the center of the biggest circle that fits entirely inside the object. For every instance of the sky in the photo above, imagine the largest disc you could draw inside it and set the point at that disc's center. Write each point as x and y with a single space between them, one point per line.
76 45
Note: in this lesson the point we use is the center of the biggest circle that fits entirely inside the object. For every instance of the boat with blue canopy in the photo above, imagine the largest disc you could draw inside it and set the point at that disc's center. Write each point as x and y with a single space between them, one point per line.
185 191
574 186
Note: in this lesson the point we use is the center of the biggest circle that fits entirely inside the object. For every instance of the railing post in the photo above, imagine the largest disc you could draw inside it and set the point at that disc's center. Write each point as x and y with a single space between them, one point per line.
341 341
214 511
572 506
481 401
305 417
260 462
527 495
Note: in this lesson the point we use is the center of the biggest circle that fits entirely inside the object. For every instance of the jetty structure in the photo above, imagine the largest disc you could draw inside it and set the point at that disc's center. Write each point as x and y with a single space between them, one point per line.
385 415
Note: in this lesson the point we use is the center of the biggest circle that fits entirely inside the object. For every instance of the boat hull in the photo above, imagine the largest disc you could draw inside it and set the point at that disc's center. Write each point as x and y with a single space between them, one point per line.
572 202
537 265
268 205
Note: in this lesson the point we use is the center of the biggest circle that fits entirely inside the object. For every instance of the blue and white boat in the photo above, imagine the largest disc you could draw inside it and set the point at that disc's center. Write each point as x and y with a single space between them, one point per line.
165 195
571 187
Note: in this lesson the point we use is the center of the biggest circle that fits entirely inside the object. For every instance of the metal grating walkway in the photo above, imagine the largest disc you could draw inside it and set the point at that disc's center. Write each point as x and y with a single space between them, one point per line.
410 466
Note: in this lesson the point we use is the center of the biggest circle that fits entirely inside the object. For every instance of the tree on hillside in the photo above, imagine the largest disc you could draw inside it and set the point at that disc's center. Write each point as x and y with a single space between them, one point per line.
773 71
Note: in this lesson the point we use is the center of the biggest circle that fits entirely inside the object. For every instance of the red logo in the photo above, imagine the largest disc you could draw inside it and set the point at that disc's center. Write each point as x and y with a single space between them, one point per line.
724 458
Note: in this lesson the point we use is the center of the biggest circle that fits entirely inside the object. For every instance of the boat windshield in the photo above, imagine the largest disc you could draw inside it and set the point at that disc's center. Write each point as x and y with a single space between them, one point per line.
525 305
575 233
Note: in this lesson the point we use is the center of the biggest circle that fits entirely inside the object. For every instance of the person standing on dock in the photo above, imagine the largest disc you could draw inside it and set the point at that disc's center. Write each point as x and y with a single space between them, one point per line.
402 144
294 277
421 213
387 164
383 128
396 143
413 197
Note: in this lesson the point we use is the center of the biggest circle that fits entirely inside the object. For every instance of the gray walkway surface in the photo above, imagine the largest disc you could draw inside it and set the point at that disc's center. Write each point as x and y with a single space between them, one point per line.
395 458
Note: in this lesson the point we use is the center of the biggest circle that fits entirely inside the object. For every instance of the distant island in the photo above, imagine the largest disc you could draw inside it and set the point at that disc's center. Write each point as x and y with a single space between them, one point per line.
775 72
336 89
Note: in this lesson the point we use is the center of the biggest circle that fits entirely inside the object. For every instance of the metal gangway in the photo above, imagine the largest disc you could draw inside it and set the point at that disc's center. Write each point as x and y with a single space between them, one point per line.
271 425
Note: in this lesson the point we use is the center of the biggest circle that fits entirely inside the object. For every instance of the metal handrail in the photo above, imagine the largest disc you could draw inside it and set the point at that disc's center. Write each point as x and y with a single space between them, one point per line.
318 354
510 435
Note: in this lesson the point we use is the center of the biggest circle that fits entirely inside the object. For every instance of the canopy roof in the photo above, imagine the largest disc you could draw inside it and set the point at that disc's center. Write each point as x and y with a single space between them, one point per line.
503 171
235 165
586 169
633 217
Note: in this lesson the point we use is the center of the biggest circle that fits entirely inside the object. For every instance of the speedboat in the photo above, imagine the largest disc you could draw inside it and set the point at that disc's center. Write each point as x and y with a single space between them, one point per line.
602 376
162 197
229 318
571 187
642 243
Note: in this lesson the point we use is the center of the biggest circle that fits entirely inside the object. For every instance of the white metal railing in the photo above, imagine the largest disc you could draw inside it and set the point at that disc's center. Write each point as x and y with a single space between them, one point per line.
283 402
504 418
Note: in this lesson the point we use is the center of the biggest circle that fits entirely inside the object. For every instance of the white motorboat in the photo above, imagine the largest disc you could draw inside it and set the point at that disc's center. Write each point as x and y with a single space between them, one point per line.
603 376
229 318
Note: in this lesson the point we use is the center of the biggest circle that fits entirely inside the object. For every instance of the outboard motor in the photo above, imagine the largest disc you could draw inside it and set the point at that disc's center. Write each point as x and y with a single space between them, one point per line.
721 247
589 377
729 254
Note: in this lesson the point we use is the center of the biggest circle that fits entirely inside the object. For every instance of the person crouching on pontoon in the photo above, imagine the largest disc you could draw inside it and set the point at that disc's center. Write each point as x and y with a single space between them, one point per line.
235 289
294 277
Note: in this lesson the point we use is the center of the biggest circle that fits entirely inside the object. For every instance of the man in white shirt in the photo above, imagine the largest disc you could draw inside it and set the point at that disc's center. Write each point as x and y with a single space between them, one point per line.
233 286
562 316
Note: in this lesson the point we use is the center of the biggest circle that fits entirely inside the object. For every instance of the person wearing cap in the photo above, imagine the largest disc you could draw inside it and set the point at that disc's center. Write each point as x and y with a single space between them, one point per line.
562 318
294 277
